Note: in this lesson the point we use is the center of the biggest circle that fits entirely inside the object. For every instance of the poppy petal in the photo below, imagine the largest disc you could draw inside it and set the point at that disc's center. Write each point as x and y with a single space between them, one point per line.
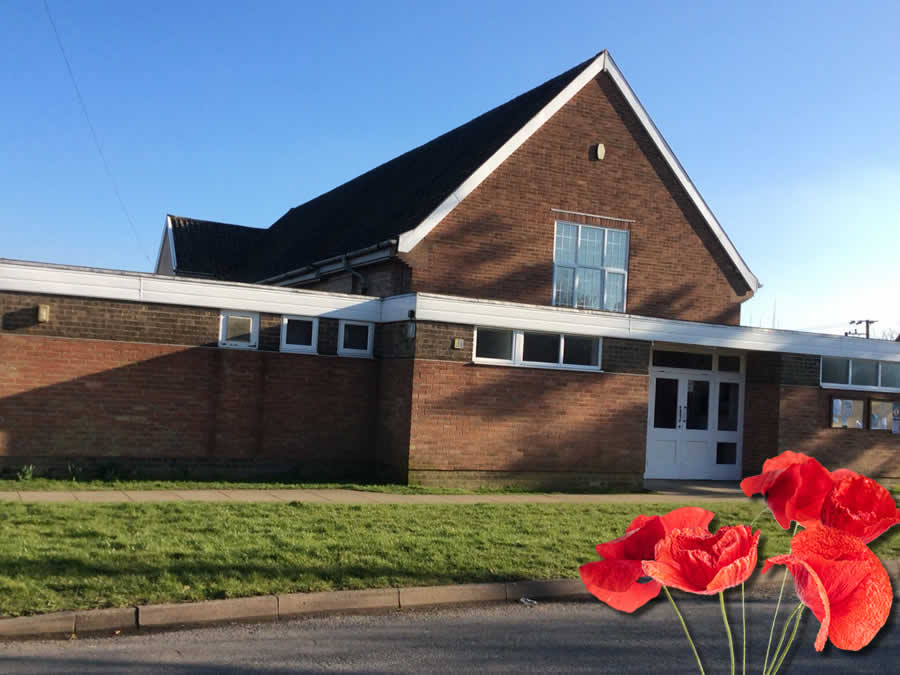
794 486
637 544
843 582
601 582
859 506
687 516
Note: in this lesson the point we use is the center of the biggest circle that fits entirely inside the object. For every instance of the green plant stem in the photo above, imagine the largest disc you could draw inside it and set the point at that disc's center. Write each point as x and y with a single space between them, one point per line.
777 607
686 632
752 522
743 633
727 628
787 647
781 639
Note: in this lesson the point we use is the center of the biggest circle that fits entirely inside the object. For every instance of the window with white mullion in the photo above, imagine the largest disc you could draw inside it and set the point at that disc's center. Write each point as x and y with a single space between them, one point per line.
590 267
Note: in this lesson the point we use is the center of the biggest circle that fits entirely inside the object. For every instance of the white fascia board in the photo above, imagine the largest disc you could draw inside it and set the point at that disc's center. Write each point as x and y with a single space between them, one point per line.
337 266
409 239
679 172
607 324
47 279
398 307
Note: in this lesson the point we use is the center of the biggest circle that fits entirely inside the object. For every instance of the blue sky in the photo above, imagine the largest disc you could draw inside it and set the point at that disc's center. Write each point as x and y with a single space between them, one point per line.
784 115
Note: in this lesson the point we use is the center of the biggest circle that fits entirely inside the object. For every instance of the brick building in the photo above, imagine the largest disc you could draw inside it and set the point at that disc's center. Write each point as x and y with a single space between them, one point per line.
539 296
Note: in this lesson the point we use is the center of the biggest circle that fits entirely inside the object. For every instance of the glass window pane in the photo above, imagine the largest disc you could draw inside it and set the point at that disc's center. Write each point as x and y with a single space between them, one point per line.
615 292
589 293
730 364
299 332
566 243
540 348
579 350
728 405
697 404
564 290
616 249
847 413
864 372
890 374
590 249
726 453
882 414
665 403
238 329
494 344
356 336
835 370
667 359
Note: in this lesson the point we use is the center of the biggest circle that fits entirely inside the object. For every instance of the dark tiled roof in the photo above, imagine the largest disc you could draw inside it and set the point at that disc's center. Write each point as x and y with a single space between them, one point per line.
210 249
396 196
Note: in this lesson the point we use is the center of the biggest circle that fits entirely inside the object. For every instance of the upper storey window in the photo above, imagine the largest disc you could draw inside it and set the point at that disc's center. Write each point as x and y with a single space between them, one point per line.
590 267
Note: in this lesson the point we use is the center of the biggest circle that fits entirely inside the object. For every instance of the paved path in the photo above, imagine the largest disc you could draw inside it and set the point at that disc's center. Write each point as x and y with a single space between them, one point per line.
693 494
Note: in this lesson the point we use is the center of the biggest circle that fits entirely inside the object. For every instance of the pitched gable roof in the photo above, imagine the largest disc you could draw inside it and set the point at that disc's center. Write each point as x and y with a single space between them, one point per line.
206 248
398 195
403 200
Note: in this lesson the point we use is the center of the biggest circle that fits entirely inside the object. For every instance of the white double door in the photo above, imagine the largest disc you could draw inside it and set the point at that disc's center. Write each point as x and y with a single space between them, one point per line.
694 425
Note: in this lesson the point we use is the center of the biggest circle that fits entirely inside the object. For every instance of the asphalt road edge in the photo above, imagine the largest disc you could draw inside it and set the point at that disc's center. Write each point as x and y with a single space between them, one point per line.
291 605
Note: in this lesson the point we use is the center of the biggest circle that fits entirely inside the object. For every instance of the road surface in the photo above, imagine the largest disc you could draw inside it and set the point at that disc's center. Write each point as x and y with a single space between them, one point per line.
549 637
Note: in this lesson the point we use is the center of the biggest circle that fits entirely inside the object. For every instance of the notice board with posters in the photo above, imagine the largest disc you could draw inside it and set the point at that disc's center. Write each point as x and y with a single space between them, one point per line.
895 423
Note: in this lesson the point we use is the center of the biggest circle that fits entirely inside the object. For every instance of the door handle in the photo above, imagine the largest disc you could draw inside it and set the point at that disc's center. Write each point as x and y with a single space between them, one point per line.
678 423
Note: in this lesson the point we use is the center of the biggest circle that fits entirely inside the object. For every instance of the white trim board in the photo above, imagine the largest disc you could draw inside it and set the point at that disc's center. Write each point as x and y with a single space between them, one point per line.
603 62
610 324
86 282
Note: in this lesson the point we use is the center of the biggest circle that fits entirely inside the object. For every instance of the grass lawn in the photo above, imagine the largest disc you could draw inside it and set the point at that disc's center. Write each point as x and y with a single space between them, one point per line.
78 556
58 484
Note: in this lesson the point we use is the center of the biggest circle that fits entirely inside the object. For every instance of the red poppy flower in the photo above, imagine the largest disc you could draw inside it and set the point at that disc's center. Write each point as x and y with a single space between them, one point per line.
699 562
842 582
614 580
794 486
859 506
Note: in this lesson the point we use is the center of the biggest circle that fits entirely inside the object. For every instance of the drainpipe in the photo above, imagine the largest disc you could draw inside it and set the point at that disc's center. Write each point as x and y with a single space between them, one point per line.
363 283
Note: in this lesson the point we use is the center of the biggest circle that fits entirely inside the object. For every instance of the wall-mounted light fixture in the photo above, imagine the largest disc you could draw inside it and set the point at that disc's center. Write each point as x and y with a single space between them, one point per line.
43 313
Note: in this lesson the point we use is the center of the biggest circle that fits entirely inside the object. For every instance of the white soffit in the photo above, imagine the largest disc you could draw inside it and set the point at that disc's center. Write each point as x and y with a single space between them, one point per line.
42 278
608 324
408 240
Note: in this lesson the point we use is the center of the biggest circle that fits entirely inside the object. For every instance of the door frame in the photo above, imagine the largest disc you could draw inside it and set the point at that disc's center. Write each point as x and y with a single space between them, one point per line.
680 435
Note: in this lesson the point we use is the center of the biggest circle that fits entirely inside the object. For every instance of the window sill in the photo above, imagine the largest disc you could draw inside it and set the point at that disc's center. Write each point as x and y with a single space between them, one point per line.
536 366
355 355
227 345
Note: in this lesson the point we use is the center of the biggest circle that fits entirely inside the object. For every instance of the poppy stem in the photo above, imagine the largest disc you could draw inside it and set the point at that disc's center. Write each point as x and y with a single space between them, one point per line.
686 632
778 652
757 516
787 647
727 628
777 607
744 633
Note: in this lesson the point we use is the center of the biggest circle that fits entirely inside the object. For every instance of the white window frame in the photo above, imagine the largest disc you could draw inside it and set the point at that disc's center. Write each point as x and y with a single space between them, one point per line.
224 315
604 268
853 387
518 346
300 349
359 353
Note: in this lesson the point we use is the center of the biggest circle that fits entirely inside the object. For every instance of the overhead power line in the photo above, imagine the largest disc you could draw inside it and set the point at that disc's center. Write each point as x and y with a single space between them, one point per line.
87 117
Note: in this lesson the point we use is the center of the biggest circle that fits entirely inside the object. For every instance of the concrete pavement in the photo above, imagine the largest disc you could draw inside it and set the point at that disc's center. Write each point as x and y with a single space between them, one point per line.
663 492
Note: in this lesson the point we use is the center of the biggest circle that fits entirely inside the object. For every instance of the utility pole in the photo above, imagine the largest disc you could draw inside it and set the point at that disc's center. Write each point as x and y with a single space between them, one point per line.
855 333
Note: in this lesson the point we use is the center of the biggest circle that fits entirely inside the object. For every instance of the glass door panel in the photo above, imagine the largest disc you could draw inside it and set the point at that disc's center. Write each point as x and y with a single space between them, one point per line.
697 409
665 409
729 395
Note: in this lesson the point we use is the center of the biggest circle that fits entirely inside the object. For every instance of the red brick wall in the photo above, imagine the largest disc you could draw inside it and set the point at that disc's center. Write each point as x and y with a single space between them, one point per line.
484 418
805 426
498 243
92 398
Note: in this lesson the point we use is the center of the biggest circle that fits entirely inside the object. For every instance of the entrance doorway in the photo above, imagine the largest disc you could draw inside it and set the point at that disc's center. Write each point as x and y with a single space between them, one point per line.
695 419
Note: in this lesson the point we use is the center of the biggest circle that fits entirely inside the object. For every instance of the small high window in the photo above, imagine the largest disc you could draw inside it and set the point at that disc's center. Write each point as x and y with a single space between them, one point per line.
860 374
355 338
299 334
239 329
